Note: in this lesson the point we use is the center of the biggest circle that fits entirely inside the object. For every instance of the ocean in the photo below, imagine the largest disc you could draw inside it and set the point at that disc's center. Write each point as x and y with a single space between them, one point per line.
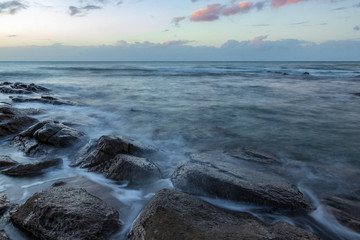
305 113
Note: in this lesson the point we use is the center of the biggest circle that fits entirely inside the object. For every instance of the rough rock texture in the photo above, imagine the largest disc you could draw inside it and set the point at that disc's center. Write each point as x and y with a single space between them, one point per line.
21 88
43 99
66 213
4 204
117 157
13 120
40 136
6 161
217 174
175 215
3 235
31 168
129 168
346 211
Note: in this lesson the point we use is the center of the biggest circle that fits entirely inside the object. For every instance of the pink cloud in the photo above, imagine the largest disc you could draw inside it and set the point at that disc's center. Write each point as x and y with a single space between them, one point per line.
280 3
211 13
241 7
259 39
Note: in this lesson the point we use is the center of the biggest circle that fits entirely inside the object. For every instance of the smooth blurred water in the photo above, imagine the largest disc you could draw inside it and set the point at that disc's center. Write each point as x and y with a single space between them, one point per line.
181 107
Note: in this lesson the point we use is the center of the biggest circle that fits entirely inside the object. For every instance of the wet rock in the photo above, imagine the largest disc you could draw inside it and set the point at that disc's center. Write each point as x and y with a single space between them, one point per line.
4 204
219 175
43 99
175 215
31 168
107 147
356 94
128 168
306 73
346 211
6 161
66 213
3 235
13 120
44 135
21 88
253 155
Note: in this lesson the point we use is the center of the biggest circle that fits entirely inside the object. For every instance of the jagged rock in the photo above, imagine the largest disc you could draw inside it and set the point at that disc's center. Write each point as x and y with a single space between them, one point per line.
117 157
31 168
6 161
4 204
66 213
346 211
39 137
175 215
3 235
43 99
129 168
13 120
21 88
217 174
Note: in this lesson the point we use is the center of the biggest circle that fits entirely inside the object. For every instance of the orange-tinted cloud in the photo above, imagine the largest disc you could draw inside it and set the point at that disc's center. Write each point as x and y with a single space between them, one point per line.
211 13
280 3
238 8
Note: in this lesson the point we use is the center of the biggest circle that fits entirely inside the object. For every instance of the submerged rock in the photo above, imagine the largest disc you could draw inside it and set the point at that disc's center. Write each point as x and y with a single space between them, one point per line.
356 94
4 204
346 211
66 213
3 235
118 157
31 168
41 136
175 215
217 174
43 99
6 161
254 156
21 88
13 120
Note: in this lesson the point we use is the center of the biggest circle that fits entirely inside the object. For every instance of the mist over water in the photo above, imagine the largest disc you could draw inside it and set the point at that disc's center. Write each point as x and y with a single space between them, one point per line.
304 113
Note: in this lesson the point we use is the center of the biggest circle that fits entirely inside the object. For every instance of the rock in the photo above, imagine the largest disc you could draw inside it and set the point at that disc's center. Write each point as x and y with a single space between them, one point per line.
346 211
356 94
31 169
175 215
306 73
128 168
6 161
66 213
41 136
43 99
107 147
3 235
13 120
253 155
4 204
21 88
216 174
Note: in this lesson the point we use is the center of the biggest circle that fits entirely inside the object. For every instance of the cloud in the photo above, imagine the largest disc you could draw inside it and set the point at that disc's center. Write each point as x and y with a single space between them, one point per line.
280 3
211 13
12 7
177 20
81 11
12 36
357 28
259 39
177 42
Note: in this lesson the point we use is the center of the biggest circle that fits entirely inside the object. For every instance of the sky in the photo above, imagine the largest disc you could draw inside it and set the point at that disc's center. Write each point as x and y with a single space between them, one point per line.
180 30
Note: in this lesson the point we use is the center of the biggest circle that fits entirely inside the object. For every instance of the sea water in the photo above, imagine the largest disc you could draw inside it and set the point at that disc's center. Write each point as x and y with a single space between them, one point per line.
305 113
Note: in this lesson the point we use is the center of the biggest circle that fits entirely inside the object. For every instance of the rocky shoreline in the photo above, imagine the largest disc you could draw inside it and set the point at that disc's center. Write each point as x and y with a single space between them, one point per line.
65 211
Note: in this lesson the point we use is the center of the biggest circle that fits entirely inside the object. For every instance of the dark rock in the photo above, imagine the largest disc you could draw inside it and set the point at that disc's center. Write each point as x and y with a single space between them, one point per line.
21 88
31 169
356 94
13 120
306 73
6 161
3 235
346 211
253 155
66 213
42 99
175 215
128 168
217 174
4 204
107 147
41 136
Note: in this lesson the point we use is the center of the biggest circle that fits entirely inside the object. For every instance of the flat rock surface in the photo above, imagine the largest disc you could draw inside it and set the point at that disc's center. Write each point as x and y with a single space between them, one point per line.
13 120
66 213
217 174
175 215
31 168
